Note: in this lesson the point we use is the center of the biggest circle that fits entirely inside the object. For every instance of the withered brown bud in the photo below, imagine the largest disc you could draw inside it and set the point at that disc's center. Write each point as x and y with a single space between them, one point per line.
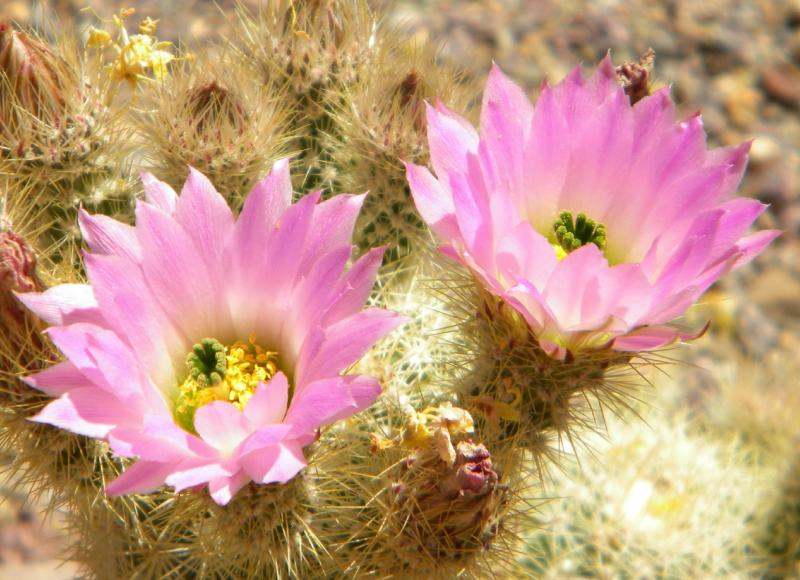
472 471
635 76
17 265
22 347
447 511
30 76
212 104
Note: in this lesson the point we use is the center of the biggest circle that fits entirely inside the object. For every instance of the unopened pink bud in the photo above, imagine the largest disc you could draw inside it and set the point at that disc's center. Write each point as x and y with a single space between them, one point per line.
29 76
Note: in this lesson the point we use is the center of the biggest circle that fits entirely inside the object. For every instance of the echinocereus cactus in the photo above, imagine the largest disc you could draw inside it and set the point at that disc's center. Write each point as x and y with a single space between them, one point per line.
211 348
204 368
598 221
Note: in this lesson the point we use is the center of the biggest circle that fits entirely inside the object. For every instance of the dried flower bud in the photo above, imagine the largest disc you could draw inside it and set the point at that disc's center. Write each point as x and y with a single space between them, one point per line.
472 471
17 265
446 506
635 77
21 345
30 77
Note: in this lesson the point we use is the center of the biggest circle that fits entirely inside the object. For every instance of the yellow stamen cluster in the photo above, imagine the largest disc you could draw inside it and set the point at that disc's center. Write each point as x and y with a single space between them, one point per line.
136 55
246 365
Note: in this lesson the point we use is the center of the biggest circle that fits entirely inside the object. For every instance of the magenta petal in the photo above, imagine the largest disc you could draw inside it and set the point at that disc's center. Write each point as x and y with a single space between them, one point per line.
263 437
750 246
158 438
132 312
287 242
195 473
604 79
552 349
332 226
569 280
734 159
221 425
653 115
739 214
268 403
109 364
546 159
319 291
433 201
141 477
355 287
206 217
159 194
58 379
269 198
104 235
85 411
450 140
345 342
328 400
474 217
610 131
222 489
505 122
524 253
692 256
63 304
192 304
646 338
278 463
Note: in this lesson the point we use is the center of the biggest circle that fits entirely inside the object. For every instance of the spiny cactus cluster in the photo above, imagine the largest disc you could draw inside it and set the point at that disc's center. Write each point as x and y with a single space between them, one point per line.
440 476
670 502
62 145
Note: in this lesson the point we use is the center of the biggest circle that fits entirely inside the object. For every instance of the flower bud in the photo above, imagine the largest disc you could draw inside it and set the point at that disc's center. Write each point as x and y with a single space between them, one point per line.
212 104
30 78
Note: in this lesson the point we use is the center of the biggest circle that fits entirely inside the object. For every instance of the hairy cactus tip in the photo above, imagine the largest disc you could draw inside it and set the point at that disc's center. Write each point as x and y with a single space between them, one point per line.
219 358
32 75
600 222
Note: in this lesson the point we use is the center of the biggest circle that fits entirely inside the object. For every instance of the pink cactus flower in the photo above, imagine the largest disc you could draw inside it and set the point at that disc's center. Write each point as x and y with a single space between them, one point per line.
208 347
599 221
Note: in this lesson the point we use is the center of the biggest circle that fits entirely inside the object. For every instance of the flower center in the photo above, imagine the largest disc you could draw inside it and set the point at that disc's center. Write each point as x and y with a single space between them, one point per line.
570 234
216 372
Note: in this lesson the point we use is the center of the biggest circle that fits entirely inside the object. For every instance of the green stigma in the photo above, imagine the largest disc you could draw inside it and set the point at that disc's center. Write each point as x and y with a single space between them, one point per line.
206 363
572 234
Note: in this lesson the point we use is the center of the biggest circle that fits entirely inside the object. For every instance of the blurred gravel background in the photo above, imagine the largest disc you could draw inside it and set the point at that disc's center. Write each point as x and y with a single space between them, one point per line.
736 61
